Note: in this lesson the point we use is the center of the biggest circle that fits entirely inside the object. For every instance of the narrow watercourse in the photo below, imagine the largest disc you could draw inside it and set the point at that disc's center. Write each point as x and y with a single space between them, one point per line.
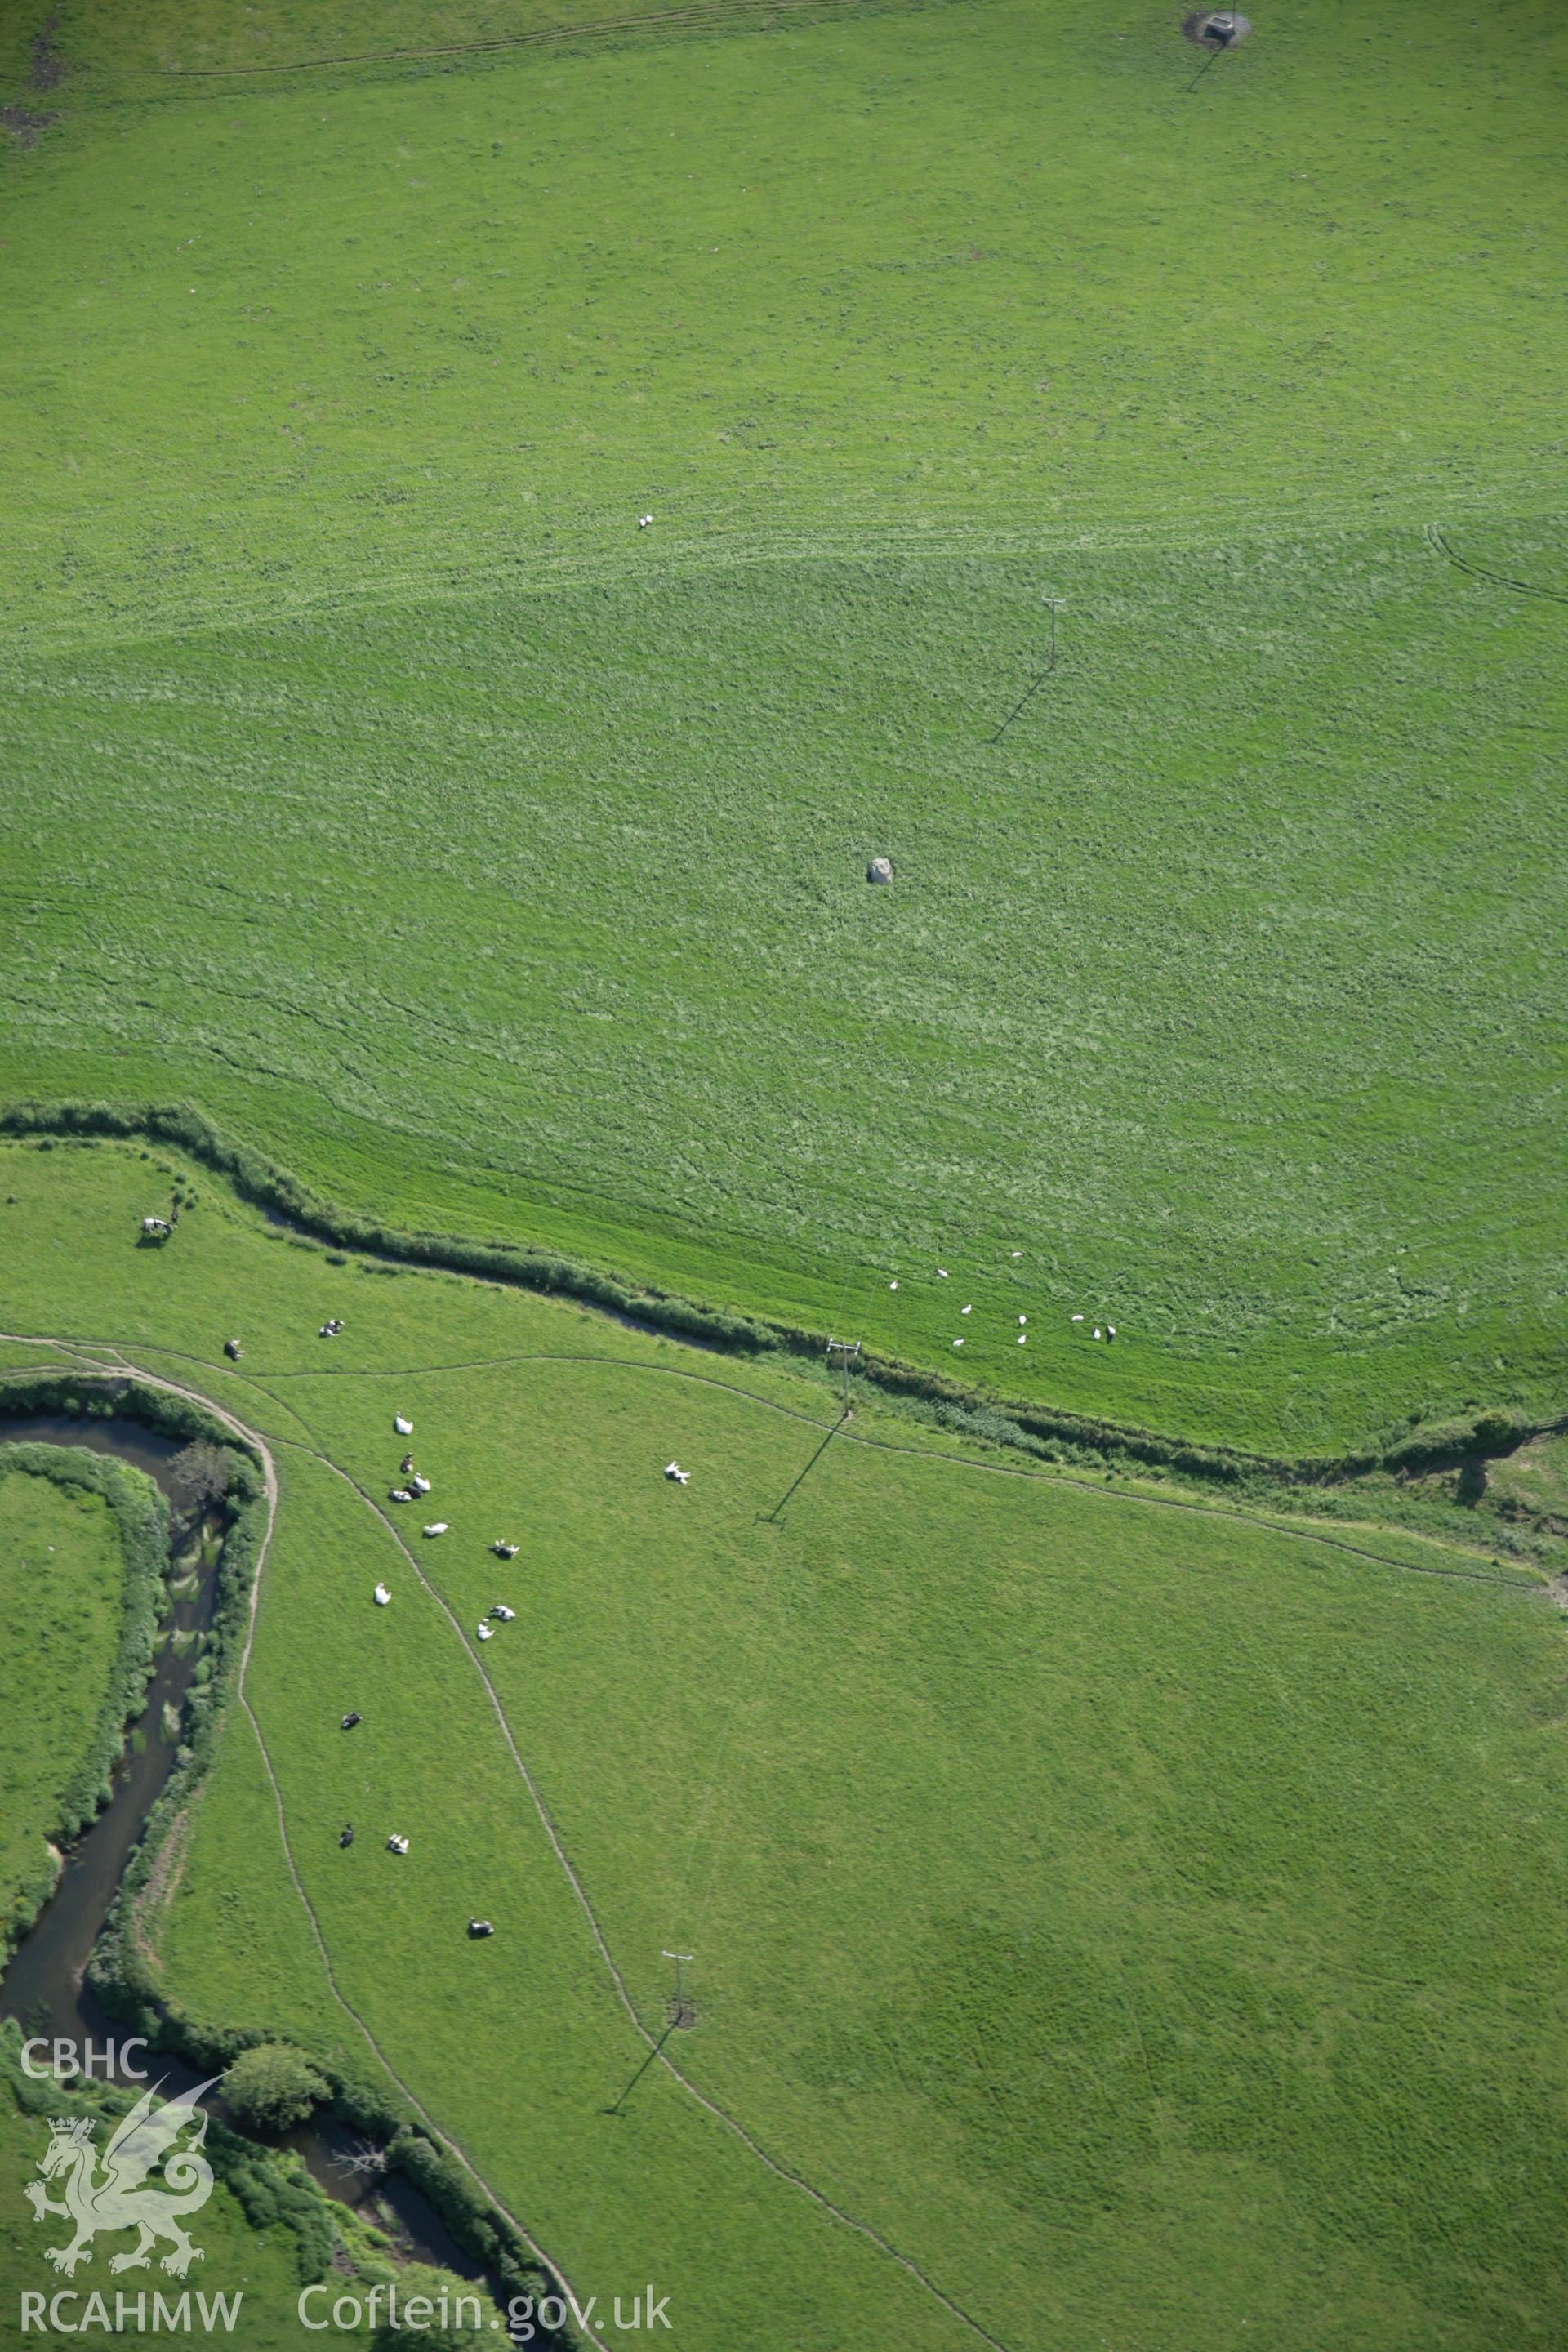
44 1986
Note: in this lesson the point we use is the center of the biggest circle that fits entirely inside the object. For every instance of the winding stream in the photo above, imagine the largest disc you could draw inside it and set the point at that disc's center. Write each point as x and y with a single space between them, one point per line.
45 1987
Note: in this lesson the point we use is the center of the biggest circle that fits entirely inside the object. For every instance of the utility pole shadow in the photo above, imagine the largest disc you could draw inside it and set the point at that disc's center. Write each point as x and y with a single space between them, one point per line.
1055 602
768 1517
1020 705
642 2070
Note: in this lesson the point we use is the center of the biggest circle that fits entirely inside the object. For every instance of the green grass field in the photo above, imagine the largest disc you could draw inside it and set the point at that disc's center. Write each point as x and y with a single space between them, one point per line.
1145 1920
378 786
61 1600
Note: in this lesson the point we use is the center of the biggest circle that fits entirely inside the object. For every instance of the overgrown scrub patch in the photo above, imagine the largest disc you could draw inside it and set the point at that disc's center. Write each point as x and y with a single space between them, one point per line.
267 2230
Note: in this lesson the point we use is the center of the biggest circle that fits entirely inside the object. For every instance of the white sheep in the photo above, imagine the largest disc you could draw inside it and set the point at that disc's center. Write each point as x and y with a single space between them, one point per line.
382 1596
437 1528
404 1428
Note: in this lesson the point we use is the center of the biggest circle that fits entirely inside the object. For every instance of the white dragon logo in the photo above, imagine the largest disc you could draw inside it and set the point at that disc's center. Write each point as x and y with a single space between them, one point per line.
120 2199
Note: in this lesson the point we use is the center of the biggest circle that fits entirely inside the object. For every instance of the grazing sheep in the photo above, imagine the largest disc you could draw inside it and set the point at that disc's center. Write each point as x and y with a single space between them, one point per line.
382 1596
437 1528
404 1428
420 1486
484 1632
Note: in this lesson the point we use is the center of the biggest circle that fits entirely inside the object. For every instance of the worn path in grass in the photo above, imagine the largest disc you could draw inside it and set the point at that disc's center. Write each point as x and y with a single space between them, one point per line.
1076 1886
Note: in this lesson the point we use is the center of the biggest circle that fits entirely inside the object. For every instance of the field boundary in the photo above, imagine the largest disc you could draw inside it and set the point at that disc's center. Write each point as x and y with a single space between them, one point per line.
993 1415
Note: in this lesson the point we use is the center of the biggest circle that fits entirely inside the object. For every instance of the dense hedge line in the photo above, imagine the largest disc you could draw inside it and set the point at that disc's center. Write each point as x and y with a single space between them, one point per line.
1055 1436
99 1397
141 1521
256 1179
1006 1420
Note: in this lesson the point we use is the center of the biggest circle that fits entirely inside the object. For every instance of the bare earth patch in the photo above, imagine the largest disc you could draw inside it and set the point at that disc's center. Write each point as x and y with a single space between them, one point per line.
25 125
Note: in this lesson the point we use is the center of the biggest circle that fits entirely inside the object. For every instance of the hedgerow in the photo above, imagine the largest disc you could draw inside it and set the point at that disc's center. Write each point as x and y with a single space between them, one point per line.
271 1188
1005 1420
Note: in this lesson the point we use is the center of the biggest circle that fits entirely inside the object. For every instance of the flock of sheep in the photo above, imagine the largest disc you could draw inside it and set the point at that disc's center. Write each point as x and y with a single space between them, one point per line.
414 1486
1105 1332
498 1612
